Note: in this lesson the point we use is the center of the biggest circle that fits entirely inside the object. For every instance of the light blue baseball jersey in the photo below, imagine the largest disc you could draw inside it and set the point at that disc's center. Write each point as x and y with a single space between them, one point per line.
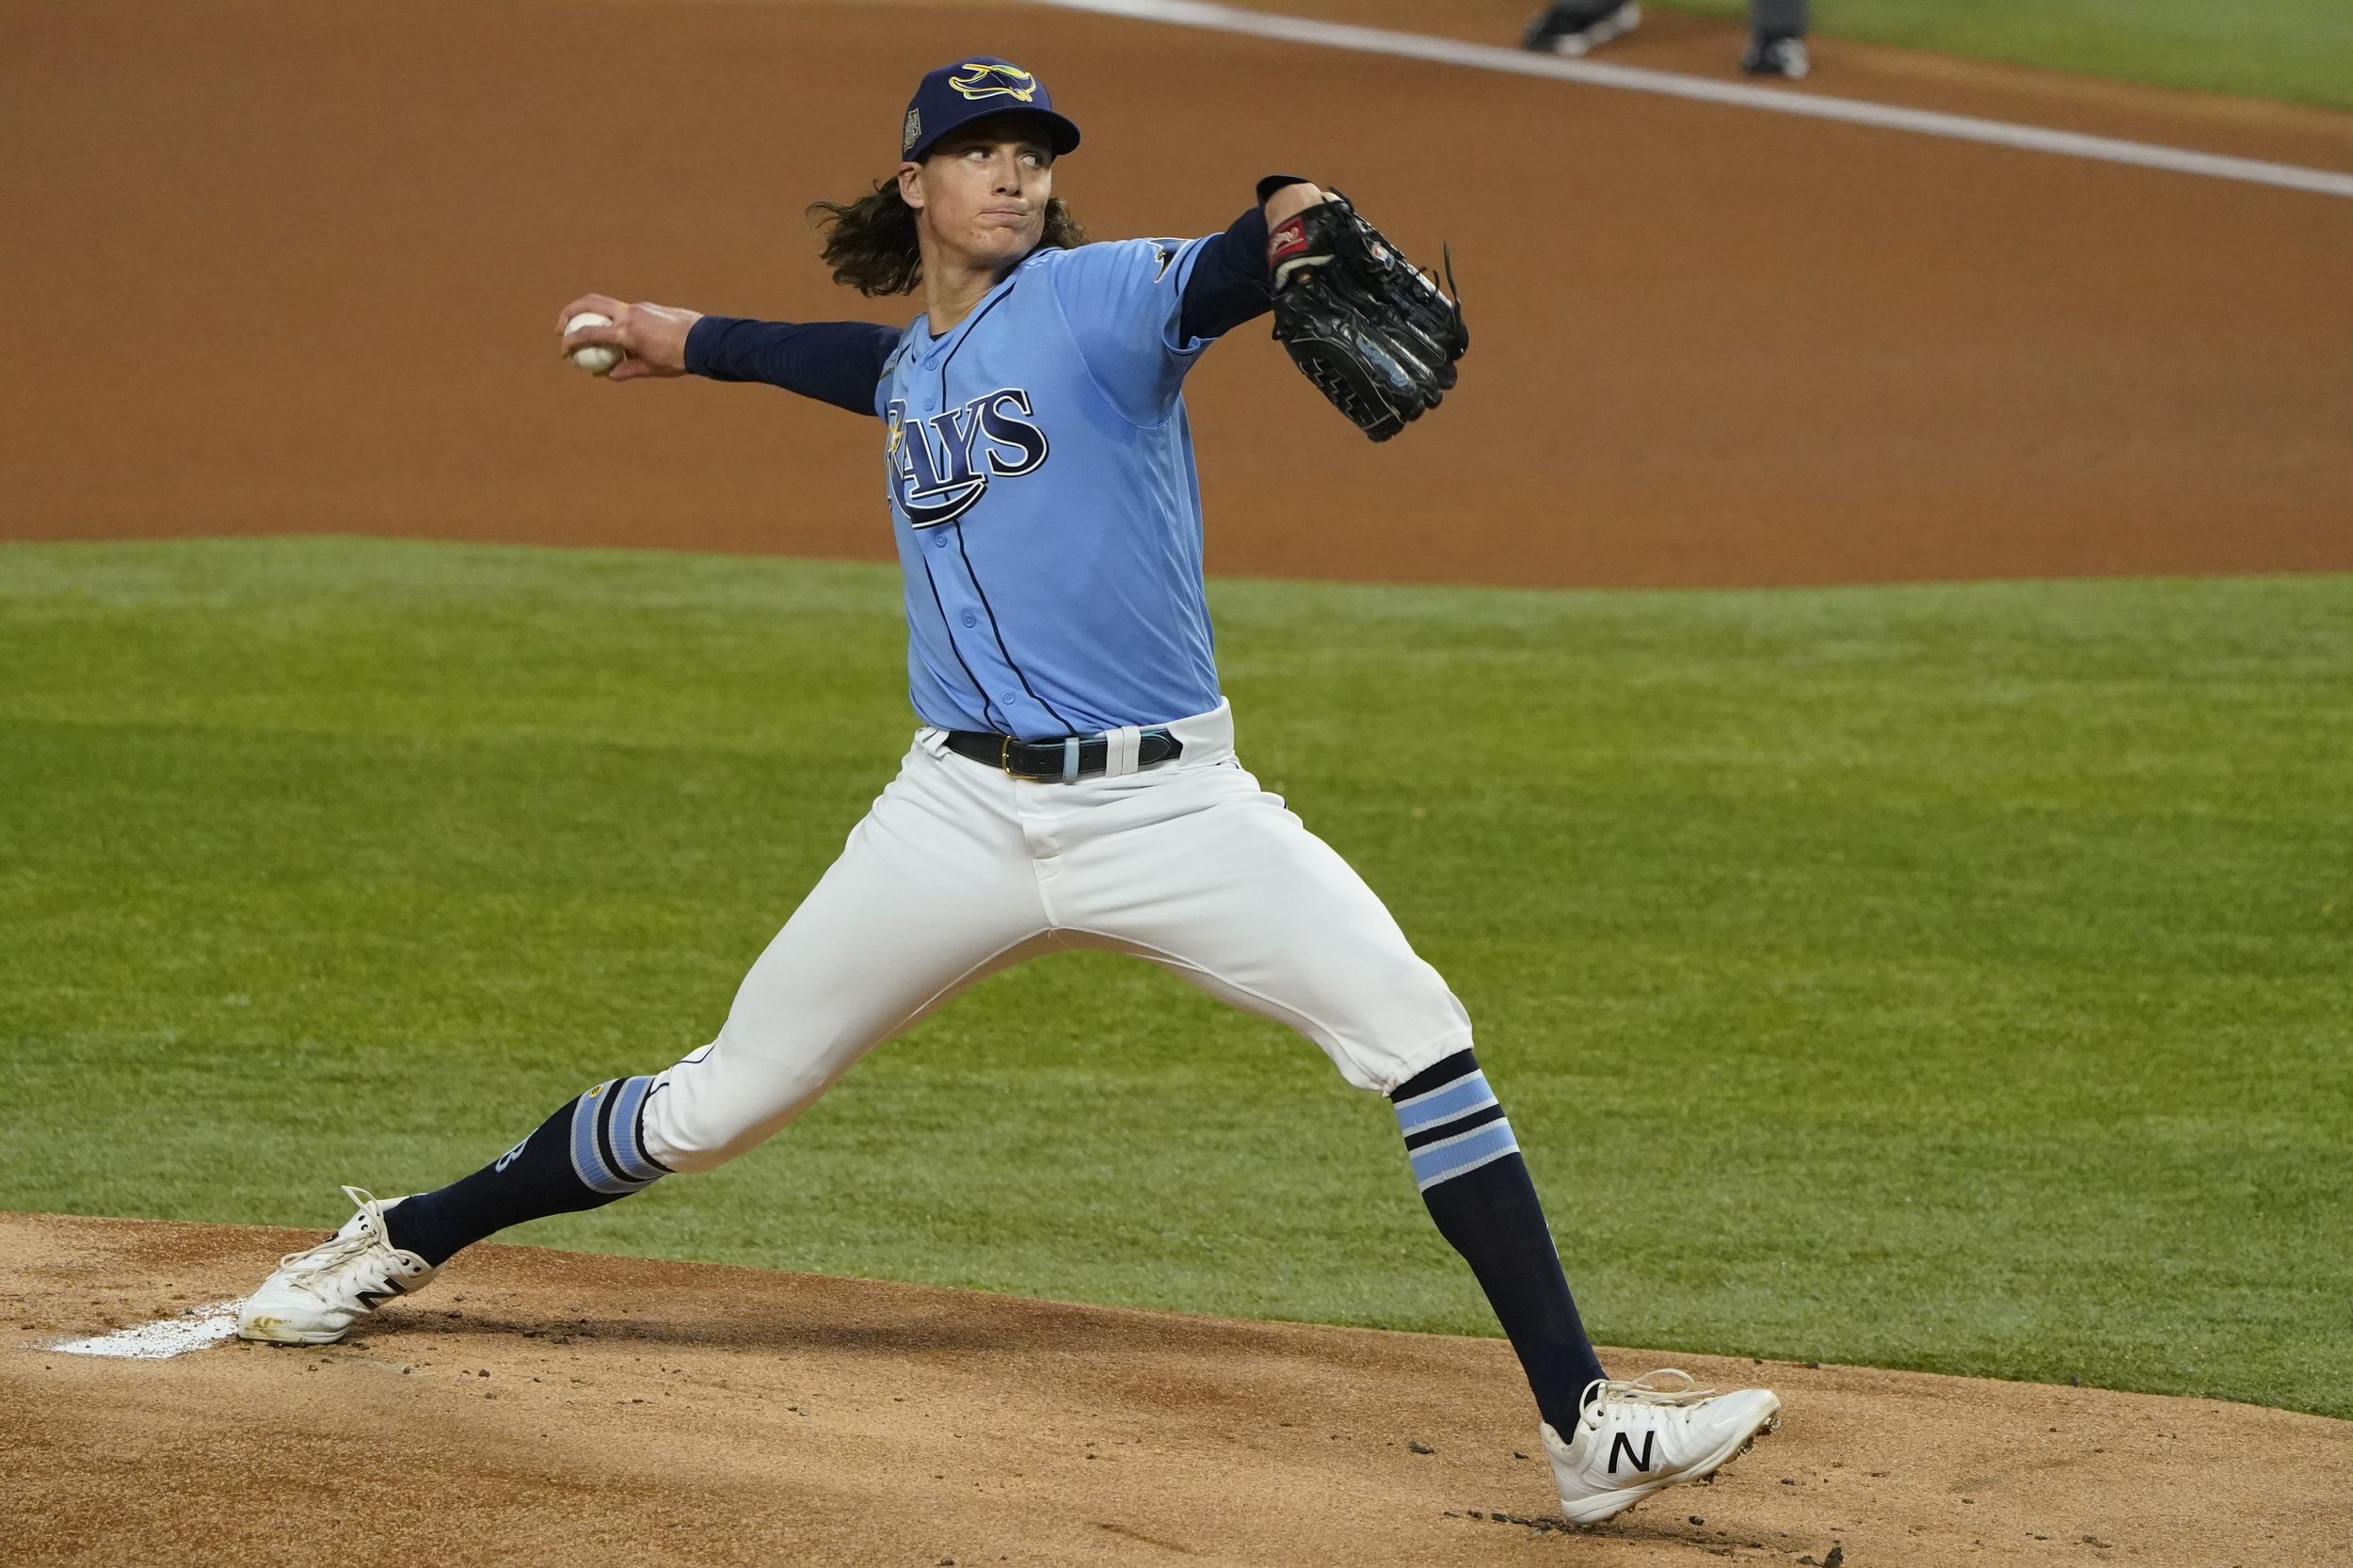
1042 493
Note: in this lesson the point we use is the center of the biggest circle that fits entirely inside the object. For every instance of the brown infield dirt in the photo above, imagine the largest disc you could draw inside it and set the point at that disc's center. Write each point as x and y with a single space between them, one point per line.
294 268
539 1406
283 268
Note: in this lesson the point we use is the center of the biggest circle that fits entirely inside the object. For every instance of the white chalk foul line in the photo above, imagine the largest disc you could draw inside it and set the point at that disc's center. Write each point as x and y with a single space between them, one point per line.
1852 111
193 1330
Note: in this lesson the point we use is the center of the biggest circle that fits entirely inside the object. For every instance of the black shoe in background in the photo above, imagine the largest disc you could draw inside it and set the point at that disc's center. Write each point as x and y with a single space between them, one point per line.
1578 27
1769 55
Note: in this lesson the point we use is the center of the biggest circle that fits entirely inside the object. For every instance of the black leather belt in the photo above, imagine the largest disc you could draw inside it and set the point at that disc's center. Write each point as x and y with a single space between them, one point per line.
1073 757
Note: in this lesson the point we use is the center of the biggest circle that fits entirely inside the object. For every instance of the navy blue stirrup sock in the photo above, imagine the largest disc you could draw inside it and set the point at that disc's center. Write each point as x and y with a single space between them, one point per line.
1468 1166
587 1155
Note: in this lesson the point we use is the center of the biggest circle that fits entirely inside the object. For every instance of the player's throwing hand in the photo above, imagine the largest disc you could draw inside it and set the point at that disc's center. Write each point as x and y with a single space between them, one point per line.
651 337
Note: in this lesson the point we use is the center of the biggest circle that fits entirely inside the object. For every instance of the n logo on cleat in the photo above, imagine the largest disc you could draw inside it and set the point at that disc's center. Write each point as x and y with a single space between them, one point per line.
1618 1444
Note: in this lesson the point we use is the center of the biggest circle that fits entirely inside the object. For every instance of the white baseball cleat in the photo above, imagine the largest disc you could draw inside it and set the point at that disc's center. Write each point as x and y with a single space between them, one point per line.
315 1296
1642 1435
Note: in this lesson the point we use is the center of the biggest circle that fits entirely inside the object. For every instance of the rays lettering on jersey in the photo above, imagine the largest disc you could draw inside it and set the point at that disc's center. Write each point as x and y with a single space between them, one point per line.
941 467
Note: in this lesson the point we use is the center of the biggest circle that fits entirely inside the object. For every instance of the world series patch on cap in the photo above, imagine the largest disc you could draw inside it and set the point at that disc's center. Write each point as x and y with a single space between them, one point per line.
976 88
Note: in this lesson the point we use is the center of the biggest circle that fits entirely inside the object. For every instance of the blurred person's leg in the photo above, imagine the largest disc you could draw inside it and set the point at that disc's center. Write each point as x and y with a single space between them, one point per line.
1777 31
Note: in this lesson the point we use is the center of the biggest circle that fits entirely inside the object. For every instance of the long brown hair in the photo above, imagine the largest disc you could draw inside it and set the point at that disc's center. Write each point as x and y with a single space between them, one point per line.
870 243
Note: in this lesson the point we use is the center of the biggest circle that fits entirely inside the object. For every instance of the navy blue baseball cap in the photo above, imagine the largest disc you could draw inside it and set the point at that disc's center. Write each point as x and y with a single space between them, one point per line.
973 89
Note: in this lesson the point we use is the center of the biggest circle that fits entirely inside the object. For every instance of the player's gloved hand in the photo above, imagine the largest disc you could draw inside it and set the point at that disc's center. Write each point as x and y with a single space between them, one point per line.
653 336
1375 334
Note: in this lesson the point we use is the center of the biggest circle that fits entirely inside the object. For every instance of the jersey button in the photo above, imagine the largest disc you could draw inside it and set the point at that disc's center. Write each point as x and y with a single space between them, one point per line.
940 541
1008 699
971 619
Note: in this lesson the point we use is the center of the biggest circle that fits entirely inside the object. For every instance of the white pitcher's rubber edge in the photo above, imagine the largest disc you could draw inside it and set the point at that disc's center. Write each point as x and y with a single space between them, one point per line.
198 1328
1853 111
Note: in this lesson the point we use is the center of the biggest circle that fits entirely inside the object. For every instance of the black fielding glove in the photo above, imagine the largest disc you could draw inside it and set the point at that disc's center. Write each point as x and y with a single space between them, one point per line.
1376 335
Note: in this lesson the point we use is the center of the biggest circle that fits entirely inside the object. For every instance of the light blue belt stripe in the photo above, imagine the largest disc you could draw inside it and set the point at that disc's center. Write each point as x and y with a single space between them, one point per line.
1446 1102
628 1153
1452 1157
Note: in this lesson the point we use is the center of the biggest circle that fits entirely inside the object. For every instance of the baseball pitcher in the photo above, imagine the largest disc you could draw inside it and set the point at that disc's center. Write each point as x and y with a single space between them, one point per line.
1073 782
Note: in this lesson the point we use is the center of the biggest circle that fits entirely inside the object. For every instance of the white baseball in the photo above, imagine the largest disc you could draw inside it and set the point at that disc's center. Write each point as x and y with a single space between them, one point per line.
594 357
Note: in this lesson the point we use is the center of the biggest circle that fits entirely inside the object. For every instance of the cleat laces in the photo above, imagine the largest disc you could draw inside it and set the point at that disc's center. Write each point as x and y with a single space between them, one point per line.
340 1258
1669 1386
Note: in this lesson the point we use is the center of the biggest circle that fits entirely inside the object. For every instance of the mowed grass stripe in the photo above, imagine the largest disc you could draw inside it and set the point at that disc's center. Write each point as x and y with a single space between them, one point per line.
1956 978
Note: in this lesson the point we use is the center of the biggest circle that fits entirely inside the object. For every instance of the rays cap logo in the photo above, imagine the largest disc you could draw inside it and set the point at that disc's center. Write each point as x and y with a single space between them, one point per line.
981 79
976 88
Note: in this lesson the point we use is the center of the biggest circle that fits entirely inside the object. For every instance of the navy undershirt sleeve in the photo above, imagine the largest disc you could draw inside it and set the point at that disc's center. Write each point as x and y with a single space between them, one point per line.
834 361
1230 283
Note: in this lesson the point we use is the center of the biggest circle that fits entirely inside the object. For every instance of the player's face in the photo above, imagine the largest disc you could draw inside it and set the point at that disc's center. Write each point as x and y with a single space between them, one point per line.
982 192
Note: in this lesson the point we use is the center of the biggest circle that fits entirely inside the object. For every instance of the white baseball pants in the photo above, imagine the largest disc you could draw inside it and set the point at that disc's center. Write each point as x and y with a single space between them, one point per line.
959 871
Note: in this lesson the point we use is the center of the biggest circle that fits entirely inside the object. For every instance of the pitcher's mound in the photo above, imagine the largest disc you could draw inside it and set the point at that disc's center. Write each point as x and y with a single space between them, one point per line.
542 1407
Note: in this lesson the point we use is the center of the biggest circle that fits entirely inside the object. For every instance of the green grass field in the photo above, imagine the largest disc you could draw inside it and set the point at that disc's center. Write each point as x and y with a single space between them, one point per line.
1956 978
2299 50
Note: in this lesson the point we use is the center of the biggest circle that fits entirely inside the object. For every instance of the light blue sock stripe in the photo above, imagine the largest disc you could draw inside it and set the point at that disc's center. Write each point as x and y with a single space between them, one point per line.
1452 1157
630 1155
1467 1166
1461 1097
588 1160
